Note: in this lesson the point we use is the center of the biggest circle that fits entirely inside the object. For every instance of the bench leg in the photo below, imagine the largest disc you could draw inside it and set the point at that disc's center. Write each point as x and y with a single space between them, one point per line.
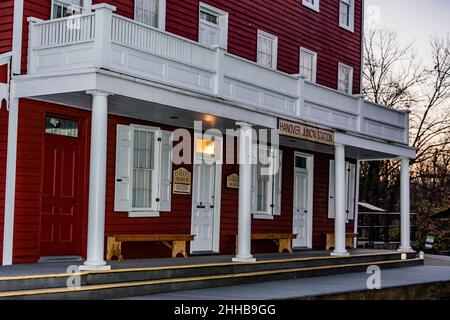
179 247
285 245
114 249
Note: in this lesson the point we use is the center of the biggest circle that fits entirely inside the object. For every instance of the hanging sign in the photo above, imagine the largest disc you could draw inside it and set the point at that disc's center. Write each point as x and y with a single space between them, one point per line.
182 181
304 132
233 181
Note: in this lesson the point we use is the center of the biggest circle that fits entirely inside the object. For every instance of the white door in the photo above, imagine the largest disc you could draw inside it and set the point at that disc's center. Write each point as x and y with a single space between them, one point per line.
302 215
209 29
203 211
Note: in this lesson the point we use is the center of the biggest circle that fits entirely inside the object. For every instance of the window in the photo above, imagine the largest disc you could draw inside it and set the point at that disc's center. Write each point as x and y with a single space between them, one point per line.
350 190
151 12
213 26
143 170
267 49
308 64
347 14
144 173
266 182
61 127
66 8
301 162
313 4
345 80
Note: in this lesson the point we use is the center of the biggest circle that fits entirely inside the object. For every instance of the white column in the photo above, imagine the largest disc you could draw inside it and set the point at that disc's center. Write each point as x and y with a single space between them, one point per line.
10 188
245 193
405 228
340 218
97 184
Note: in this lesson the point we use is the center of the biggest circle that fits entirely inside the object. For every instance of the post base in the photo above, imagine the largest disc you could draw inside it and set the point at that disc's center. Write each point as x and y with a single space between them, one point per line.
406 250
340 254
94 267
244 259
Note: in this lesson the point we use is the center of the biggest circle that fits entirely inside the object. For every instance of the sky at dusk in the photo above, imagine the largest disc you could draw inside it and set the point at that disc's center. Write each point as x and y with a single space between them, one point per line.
411 19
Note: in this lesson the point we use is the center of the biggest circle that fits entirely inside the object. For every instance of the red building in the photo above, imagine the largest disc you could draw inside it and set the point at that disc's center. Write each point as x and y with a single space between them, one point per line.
91 92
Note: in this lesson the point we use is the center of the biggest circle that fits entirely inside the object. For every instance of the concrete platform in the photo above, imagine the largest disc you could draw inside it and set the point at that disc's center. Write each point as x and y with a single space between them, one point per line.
58 268
435 270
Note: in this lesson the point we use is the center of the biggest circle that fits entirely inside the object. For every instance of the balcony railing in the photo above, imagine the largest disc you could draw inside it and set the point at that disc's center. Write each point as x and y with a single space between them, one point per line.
105 40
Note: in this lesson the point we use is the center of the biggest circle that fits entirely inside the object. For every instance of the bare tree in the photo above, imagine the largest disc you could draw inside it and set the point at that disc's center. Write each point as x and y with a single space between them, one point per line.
394 77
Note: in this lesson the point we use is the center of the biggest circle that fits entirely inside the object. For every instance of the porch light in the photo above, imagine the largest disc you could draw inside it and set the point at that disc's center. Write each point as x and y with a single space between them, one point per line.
206 147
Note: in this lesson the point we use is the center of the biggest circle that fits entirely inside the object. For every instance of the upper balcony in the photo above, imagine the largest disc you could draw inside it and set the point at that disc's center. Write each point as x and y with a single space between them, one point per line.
105 40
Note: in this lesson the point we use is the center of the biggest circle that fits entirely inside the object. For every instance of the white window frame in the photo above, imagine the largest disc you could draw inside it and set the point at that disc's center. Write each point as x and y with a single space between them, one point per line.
351 21
67 2
273 196
161 14
157 172
312 4
342 66
223 21
274 39
161 176
314 62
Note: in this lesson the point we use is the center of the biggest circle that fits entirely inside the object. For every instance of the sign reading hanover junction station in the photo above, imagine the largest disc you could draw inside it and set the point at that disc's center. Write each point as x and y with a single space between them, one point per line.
303 132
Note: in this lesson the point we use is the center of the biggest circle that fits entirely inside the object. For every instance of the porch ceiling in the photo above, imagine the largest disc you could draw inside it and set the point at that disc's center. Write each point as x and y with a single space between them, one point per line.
356 147
144 110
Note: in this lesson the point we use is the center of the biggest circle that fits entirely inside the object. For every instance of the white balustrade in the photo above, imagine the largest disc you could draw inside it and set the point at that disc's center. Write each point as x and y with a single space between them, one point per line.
105 40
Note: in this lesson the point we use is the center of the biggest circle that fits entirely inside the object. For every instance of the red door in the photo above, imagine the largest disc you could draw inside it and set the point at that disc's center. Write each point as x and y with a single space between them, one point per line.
60 216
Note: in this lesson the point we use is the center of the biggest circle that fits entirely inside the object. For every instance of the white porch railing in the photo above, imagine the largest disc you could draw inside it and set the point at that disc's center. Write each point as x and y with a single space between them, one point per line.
105 40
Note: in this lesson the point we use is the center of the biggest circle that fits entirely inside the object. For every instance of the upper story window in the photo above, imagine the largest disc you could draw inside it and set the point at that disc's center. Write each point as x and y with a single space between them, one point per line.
213 26
151 12
308 64
66 8
313 4
267 49
345 78
347 14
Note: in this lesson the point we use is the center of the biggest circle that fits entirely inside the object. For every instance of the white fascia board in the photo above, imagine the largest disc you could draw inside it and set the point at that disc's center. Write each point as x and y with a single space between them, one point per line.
182 99
119 84
397 151
33 86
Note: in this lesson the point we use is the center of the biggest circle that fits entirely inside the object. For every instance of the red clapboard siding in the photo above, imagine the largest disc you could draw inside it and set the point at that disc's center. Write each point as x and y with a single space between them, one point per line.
29 181
294 24
6 25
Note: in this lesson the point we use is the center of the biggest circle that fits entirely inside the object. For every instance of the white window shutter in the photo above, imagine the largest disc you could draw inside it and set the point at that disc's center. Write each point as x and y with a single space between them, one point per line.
351 191
331 191
278 184
123 200
165 187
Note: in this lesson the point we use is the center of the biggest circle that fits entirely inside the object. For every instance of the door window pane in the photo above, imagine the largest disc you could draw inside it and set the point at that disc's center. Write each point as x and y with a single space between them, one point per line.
300 162
61 126
208 17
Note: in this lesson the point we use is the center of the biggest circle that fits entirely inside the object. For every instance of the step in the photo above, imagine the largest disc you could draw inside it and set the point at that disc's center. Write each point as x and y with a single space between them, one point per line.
156 273
136 288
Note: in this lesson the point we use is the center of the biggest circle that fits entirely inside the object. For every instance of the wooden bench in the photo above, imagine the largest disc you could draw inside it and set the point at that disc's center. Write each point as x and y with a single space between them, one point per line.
175 242
349 240
282 240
